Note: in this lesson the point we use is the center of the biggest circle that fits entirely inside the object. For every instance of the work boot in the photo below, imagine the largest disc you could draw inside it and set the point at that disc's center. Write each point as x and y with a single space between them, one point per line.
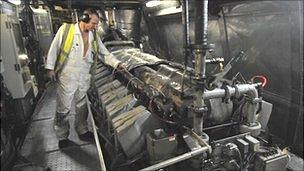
88 136
65 143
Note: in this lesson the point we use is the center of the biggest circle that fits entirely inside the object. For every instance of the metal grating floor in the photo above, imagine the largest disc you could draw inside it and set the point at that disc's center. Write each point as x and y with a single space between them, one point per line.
41 144
75 158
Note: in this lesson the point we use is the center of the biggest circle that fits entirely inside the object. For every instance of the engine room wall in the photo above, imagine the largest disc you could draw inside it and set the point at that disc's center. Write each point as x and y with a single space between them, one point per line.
166 35
270 33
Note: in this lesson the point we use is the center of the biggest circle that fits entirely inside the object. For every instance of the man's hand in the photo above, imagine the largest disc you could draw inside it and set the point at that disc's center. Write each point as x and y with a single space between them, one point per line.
121 67
51 74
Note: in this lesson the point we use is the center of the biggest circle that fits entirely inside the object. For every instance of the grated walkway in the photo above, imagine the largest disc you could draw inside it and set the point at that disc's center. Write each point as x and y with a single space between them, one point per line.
41 145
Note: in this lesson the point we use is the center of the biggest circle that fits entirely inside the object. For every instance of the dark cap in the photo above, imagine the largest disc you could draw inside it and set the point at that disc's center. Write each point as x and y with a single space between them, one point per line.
99 13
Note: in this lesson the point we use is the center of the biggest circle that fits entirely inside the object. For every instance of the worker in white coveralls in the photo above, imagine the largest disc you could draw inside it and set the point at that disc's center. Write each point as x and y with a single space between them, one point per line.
69 61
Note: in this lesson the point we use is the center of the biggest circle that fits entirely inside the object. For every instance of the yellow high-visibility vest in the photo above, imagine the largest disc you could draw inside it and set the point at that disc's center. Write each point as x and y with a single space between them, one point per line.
66 45
65 48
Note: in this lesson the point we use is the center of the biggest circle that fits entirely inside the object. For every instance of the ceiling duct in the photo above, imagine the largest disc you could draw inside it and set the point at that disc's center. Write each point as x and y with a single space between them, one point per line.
128 22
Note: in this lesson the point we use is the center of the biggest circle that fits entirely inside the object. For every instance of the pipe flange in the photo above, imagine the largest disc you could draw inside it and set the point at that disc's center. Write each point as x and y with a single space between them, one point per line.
198 81
237 92
198 110
227 92
201 47
254 128
197 48
256 100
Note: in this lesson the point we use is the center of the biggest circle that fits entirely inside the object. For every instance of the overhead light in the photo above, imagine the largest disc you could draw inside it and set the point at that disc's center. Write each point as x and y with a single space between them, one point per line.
153 3
16 2
167 11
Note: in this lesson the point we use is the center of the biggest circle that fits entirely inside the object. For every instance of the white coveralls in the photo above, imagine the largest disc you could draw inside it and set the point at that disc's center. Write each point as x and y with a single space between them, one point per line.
74 80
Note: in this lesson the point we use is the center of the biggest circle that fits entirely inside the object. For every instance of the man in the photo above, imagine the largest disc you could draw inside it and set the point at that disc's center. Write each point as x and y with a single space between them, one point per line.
69 60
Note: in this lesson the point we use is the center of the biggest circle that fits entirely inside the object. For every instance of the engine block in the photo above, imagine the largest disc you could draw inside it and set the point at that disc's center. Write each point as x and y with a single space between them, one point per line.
145 117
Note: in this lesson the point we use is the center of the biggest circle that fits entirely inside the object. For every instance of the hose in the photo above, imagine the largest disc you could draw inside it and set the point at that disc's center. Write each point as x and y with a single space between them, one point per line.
262 78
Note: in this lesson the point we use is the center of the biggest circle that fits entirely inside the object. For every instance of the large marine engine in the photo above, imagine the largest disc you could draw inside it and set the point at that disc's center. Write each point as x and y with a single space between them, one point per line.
147 117
161 115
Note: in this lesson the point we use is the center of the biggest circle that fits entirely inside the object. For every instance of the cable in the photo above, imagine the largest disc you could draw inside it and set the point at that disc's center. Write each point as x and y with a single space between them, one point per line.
134 78
114 71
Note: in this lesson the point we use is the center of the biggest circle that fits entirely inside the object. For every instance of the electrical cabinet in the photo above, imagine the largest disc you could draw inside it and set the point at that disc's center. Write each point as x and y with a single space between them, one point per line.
43 28
16 72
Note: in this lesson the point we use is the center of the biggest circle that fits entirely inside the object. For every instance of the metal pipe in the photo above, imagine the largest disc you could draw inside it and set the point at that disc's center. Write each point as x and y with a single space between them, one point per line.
251 110
128 23
220 126
185 21
237 91
201 22
205 21
101 159
243 88
176 159
198 103
204 36
201 30
198 123
201 141
253 104
226 32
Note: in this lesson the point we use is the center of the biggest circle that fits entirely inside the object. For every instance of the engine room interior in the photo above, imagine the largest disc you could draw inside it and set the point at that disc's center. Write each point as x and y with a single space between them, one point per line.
166 85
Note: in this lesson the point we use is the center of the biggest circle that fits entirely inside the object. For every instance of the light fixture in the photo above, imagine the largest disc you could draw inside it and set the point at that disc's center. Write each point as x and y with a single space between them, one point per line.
16 2
167 11
153 3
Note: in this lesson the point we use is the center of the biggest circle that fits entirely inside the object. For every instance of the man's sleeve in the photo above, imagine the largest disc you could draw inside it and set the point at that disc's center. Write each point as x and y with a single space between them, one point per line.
106 56
54 49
